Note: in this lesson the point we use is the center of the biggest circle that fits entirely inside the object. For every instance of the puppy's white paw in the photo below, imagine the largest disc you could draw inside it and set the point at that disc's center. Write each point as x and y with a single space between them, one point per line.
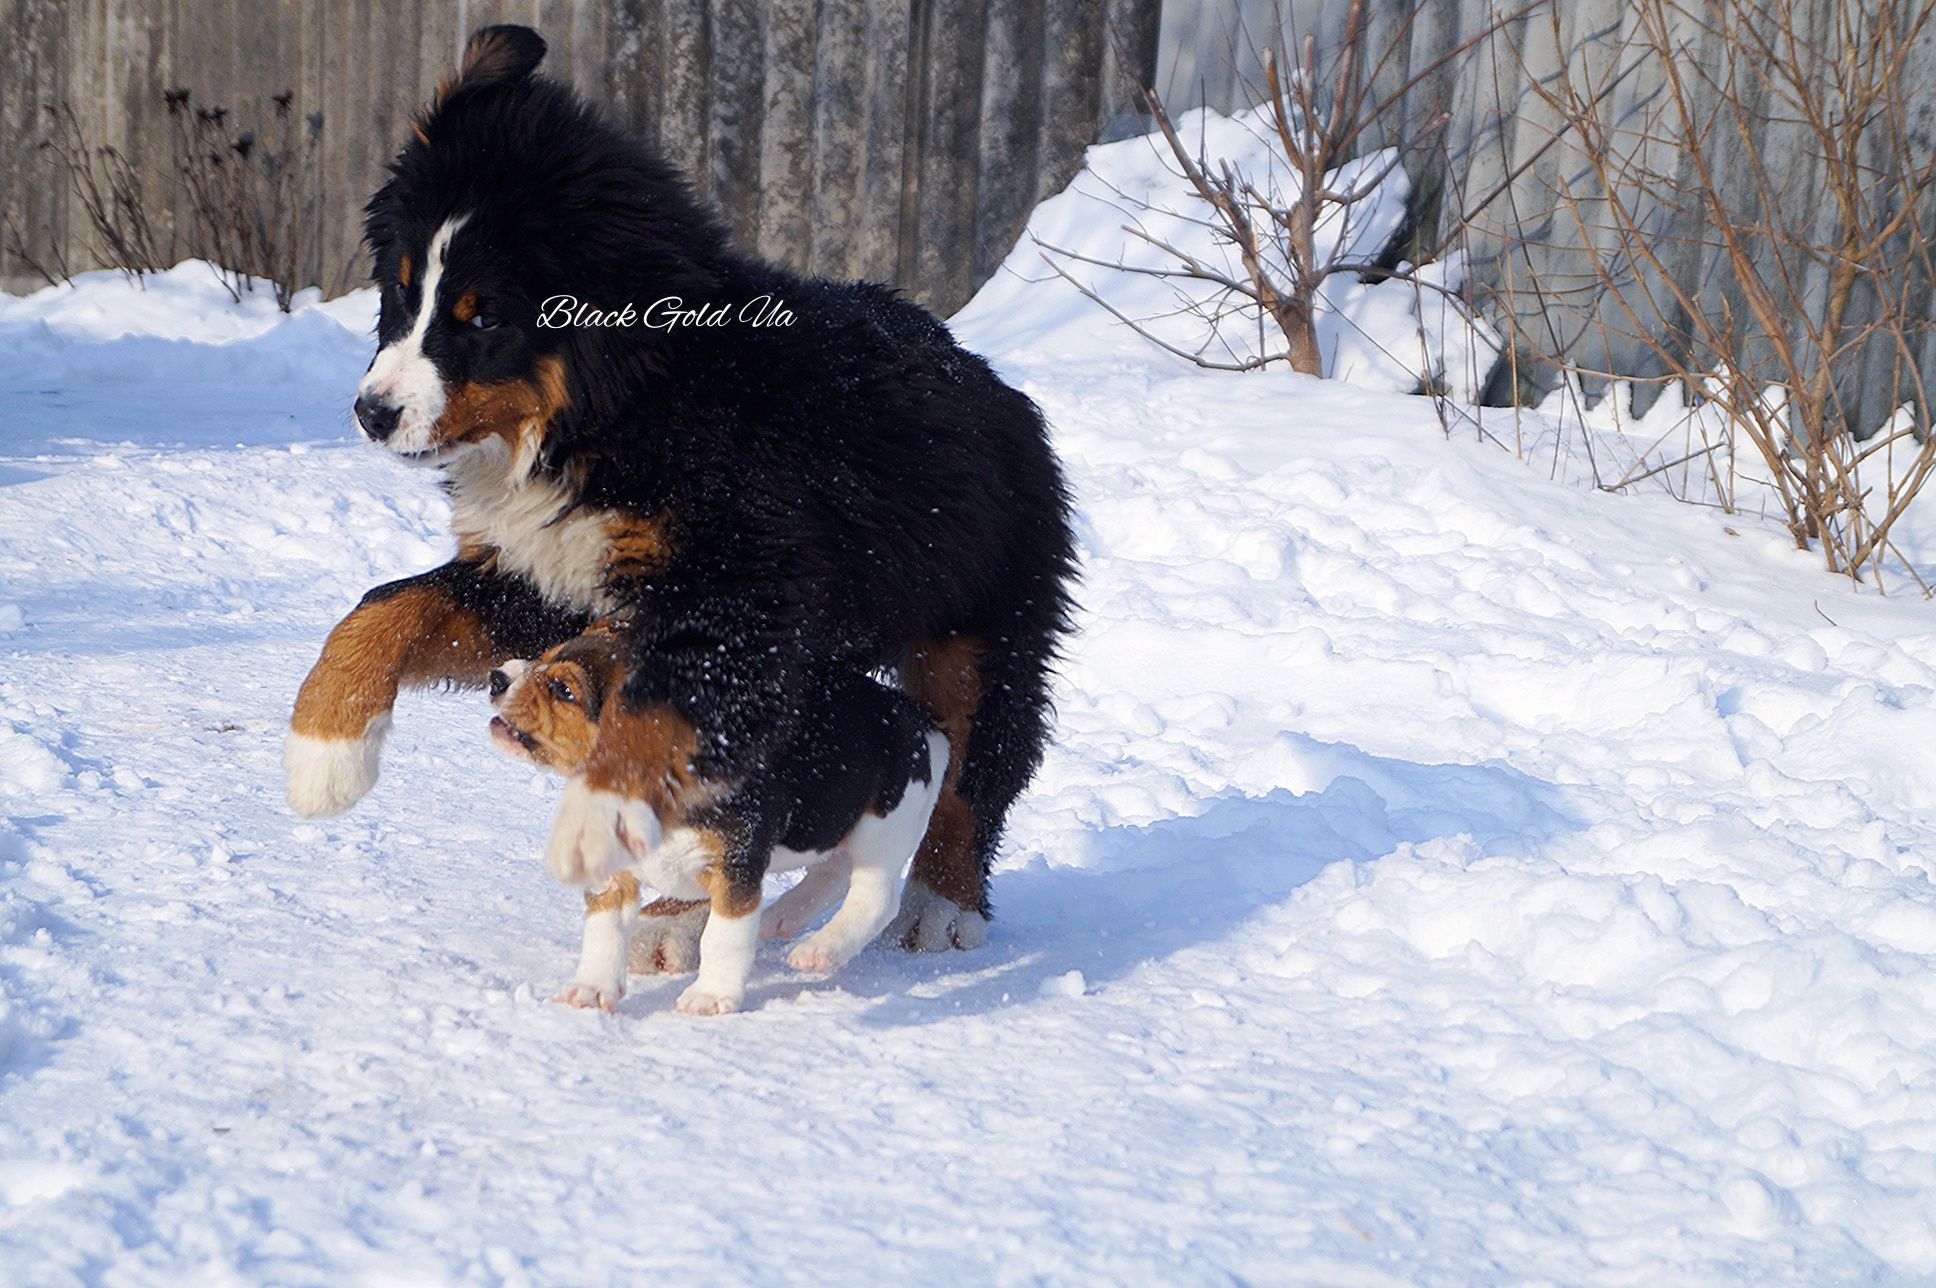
700 1001
328 775
586 996
585 846
818 958
638 827
928 923
776 924
668 945
970 930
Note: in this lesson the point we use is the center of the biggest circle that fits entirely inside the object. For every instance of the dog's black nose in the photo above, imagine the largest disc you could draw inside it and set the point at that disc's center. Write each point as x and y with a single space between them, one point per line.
377 416
499 682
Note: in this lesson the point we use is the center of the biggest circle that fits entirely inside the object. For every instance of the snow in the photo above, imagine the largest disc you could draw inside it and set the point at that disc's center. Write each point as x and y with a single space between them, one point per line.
1442 874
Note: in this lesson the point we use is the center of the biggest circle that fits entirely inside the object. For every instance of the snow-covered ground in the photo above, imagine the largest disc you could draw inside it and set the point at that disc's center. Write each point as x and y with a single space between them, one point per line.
1442 875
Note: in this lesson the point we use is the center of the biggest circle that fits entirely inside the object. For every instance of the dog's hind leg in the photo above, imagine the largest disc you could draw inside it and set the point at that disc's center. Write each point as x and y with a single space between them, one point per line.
944 902
880 847
823 883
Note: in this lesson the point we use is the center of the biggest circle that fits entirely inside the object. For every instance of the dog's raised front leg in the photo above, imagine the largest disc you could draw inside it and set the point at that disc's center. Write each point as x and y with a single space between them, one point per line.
453 623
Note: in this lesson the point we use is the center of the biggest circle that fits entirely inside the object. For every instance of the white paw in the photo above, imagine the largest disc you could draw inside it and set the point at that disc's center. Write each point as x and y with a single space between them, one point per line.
928 923
587 844
638 827
818 958
970 930
668 945
585 996
703 1001
777 925
780 920
328 775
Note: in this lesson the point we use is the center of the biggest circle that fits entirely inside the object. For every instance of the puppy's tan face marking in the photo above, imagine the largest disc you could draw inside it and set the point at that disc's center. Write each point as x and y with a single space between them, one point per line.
543 717
547 711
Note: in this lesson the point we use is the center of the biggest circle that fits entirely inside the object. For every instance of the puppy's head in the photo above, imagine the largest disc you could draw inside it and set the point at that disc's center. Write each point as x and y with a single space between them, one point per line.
547 710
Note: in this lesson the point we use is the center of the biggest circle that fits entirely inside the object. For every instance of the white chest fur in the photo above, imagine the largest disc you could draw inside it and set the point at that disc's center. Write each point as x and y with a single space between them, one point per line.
673 866
495 502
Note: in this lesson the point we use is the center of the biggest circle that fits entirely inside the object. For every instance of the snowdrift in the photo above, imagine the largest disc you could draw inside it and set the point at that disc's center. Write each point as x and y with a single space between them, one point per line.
1443 875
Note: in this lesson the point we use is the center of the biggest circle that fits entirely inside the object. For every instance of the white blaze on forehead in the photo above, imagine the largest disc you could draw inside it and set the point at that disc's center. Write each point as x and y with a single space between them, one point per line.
401 374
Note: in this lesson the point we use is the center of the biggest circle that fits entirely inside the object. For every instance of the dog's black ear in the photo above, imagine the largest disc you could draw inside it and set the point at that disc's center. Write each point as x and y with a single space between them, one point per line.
501 55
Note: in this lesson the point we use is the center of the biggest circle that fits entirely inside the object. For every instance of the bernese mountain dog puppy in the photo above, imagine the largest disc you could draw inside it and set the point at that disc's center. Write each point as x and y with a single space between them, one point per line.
848 798
769 478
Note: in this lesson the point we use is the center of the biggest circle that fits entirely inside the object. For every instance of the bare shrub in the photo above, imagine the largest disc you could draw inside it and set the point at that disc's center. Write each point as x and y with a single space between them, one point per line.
1327 107
55 274
1771 286
252 196
110 193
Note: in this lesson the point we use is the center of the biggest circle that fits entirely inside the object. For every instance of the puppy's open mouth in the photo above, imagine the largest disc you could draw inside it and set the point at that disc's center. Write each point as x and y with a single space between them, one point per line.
512 740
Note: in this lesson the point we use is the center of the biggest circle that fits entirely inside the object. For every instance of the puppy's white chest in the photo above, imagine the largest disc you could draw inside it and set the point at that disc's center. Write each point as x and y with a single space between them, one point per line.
673 866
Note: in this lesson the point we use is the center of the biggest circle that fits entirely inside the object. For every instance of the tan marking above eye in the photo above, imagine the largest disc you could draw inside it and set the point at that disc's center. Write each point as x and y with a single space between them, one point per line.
466 307
403 272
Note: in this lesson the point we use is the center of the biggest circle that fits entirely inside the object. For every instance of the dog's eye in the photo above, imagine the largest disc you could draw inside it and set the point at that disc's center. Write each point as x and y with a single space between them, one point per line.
561 691
483 321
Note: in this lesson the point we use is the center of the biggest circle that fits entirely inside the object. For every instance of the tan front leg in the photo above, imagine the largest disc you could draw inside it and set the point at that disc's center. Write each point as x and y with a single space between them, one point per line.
726 946
610 916
413 634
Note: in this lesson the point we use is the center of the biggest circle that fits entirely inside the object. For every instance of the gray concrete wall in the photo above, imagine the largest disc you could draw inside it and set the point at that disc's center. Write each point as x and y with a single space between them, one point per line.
904 140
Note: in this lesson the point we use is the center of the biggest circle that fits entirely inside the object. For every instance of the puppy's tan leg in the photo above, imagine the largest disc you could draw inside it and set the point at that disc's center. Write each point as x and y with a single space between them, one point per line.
610 915
727 946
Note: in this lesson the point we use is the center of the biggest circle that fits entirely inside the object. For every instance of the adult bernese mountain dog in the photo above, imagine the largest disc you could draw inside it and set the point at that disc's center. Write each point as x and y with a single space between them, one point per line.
797 475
